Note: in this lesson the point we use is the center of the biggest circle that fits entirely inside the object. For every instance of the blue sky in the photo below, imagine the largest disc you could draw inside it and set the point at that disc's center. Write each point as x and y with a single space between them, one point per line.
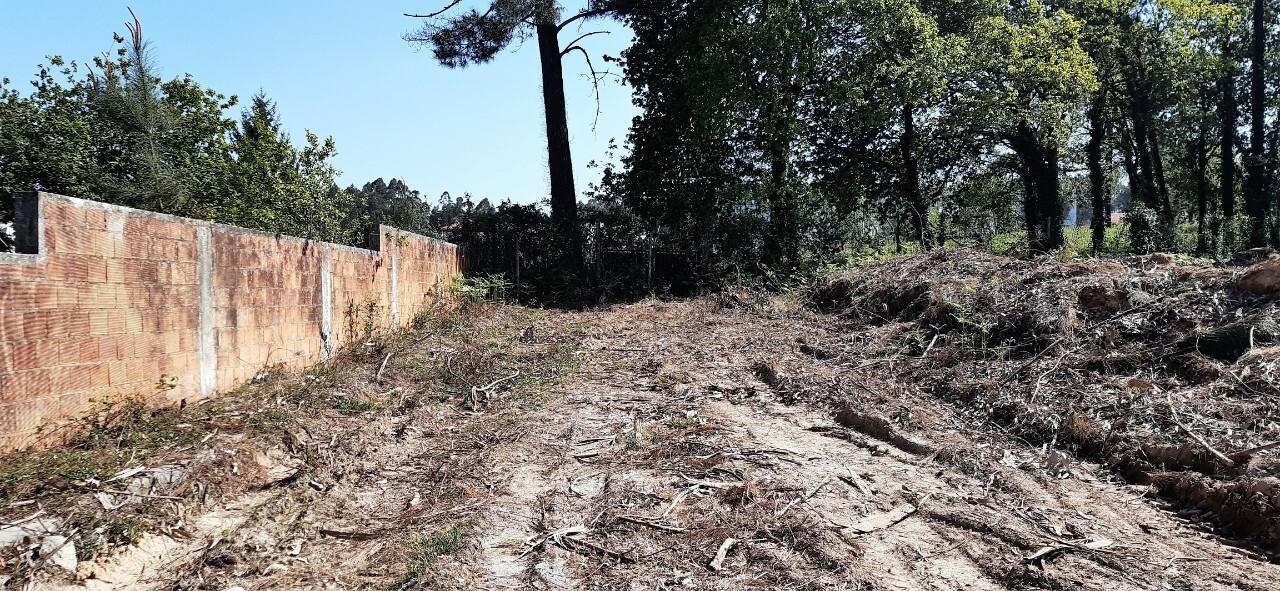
343 69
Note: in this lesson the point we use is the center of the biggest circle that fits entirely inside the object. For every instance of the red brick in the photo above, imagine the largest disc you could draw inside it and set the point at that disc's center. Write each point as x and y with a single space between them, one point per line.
96 219
89 350
10 326
117 373
35 325
32 383
77 323
96 270
59 322
115 270
45 296
17 296
111 311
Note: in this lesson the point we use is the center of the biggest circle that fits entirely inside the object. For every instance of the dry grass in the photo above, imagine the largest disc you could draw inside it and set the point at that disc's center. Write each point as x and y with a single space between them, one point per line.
284 424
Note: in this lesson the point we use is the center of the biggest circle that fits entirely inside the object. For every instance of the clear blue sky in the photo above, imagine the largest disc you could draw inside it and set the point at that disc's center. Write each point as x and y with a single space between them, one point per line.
342 69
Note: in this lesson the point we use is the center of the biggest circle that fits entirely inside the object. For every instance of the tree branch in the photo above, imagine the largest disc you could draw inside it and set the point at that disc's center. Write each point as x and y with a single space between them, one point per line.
436 13
584 14
595 79
580 38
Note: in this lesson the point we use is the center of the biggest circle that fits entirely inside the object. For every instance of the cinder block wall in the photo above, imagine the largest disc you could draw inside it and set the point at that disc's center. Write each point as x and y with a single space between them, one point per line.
106 301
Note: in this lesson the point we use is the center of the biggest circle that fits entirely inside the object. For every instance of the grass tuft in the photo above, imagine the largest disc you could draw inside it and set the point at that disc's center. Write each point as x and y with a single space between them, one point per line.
99 444
424 549
356 406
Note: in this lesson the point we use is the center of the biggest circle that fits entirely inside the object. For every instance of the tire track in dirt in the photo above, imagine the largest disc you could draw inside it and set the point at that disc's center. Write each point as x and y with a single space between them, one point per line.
693 367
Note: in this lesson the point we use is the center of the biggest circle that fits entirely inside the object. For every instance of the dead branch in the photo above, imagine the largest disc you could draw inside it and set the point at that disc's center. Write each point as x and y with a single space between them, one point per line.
595 78
436 13
1245 454
1173 413
648 523
382 368
717 563
580 38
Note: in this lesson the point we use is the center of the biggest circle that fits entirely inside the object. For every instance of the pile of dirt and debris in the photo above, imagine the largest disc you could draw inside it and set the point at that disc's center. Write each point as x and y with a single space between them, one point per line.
1168 373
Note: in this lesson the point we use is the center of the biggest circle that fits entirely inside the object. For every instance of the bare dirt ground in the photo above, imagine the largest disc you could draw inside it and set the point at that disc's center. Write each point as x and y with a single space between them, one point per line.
729 442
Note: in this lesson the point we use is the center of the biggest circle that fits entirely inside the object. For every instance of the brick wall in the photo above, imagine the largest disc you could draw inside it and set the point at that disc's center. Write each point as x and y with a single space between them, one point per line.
106 302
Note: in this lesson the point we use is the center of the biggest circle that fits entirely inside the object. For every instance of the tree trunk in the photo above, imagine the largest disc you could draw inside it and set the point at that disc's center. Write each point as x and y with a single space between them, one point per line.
1273 164
781 248
1130 167
782 243
564 199
911 178
1227 180
1145 191
942 229
1140 116
1030 209
1097 178
1162 188
1255 198
897 231
1042 205
1048 188
1200 156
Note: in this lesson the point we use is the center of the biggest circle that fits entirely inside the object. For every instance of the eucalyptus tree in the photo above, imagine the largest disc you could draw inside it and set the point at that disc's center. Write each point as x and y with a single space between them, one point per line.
888 85
462 38
1202 109
1228 111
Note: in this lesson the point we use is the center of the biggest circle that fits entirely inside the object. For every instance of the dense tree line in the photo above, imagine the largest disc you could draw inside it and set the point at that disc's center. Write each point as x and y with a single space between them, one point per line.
781 133
774 137
112 130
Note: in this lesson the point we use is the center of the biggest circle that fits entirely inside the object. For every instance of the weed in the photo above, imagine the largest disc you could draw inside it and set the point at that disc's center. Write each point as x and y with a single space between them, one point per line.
481 288
167 382
397 238
267 420
438 319
631 441
425 549
363 318
682 422
356 406
99 444
123 531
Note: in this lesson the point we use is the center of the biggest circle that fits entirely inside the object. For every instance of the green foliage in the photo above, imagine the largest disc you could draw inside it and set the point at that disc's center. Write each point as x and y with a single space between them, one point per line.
356 406
480 288
276 187
774 138
363 318
882 126
111 434
116 132
424 549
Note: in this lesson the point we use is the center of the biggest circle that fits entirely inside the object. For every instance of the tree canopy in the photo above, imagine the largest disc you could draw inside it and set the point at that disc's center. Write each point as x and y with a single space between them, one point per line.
774 138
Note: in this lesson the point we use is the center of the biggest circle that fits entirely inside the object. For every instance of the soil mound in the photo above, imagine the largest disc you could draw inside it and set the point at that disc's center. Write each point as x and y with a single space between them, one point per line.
1167 373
